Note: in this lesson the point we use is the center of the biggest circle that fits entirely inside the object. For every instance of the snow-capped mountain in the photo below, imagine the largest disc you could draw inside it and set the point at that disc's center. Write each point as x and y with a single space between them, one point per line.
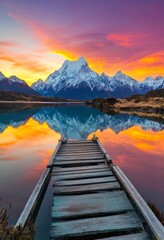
75 80
2 76
121 85
151 83
39 85
15 84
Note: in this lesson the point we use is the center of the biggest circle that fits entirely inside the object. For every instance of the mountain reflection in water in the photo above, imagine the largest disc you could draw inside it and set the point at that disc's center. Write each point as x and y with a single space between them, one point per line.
77 122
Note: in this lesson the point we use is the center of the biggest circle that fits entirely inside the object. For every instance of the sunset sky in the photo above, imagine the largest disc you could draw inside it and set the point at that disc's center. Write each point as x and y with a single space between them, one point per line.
37 36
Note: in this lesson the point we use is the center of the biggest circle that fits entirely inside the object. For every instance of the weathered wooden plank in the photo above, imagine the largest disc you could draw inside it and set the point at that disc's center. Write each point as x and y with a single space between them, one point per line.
92 226
34 199
90 205
84 150
77 163
85 181
134 236
80 149
82 175
99 167
61 154
79 171
108 158
77 141
79 158
153 223
77 152
81 155
81 140
80 143
86 188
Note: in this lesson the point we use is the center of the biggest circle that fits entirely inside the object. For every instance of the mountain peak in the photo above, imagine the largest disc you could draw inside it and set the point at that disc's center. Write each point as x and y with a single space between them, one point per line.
40 81
73 66
118 74
149 78
16 79
159 78
2 76
82 60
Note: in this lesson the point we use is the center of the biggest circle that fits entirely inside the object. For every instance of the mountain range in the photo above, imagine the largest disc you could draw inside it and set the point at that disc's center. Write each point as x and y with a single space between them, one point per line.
75 80
15 84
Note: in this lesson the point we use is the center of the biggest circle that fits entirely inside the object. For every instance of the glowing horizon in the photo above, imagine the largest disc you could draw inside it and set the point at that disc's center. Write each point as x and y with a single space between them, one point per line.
38 36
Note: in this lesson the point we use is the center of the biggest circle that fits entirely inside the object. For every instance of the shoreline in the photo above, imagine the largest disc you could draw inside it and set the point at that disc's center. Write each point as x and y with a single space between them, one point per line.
35 102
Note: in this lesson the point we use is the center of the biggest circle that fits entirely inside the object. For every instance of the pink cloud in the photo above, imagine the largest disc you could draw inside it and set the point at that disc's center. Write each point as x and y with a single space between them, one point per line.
8 44
122 40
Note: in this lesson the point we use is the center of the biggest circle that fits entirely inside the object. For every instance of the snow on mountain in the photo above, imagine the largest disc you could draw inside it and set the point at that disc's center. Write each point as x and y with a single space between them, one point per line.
151 83
38 85
72 73
121 85
2 76
74 80
14 84
14 79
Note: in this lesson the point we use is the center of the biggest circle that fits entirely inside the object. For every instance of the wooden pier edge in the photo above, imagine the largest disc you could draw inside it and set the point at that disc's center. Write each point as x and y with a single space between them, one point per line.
156 228
34 199
107 157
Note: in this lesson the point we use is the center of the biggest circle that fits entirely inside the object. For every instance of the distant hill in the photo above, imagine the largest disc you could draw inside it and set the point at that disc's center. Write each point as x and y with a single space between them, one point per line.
13 96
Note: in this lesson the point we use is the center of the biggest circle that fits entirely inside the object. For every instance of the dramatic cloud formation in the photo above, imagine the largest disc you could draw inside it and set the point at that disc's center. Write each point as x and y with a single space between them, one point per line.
112 35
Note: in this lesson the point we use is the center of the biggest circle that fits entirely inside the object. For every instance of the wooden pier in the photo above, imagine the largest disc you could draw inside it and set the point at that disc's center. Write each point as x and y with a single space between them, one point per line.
93 199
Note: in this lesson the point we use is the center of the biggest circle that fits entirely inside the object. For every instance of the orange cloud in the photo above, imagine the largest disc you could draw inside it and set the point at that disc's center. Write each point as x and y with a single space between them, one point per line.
28 64
148 65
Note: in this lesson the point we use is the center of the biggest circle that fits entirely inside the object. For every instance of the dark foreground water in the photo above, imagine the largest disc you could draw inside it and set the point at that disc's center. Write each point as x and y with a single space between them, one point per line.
28 138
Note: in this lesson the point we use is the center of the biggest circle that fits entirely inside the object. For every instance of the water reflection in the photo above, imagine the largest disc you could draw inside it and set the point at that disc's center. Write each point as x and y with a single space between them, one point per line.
77 122
28 138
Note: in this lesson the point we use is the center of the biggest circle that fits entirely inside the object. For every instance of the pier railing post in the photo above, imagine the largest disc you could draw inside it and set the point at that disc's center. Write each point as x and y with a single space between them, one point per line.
107 157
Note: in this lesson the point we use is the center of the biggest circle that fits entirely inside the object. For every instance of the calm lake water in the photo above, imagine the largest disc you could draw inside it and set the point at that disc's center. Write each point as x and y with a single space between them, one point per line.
29 137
